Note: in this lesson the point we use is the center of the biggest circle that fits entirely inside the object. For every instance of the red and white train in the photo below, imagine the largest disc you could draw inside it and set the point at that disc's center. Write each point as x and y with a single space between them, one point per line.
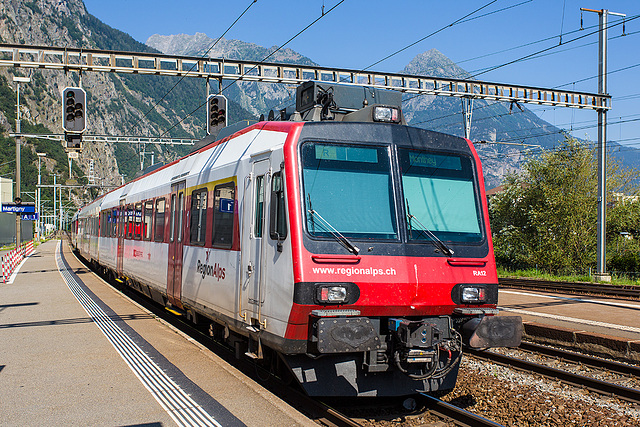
342 242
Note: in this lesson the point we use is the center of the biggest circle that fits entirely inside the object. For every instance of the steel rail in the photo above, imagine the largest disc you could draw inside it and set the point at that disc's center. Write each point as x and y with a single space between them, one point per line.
594 362
95 60
459 416
583 288
592 384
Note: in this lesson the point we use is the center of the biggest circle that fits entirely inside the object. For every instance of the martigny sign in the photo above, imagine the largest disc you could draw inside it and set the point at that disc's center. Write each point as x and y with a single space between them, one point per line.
22 208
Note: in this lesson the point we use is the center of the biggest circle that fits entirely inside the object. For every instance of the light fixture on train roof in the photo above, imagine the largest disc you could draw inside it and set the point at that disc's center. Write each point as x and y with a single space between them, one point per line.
382 113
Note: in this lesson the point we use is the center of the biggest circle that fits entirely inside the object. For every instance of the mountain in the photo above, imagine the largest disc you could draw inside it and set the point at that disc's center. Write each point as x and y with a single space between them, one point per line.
123 104
117 104
492 122
255 97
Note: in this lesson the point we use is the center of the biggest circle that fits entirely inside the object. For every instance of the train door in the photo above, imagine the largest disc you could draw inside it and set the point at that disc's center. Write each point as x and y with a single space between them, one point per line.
176 236
254 231
120 236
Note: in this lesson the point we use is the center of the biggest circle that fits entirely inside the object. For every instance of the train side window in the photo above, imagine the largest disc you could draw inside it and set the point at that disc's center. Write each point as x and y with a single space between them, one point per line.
130 221
159 229
147 220
114 218
224 196
277 215
259 208
137 222
172 218
198 216
127 218
103 223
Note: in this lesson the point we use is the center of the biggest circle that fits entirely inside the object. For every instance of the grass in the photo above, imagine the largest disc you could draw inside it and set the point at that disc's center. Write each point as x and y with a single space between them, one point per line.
537 274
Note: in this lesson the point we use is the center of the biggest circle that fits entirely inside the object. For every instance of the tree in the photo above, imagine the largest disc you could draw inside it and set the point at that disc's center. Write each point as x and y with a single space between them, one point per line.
546 217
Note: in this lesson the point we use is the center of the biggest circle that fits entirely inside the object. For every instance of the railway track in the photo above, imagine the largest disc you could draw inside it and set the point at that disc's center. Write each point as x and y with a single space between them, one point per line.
578 288
458 416
320 412
620 371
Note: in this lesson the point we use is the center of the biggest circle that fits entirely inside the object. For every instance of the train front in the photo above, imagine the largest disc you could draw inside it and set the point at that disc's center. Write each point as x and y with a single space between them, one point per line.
393 259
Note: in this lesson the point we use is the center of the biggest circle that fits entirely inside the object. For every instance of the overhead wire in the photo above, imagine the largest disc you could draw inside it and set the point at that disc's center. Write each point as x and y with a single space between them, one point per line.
324 13
534 54
465 18
204 55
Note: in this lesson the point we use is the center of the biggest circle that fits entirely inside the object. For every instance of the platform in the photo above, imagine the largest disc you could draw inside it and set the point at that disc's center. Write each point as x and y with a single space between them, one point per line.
605 325
74 351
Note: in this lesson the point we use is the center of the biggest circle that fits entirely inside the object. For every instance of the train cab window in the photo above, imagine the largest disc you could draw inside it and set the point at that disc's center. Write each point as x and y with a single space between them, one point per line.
348 189
224 196
277 218
137 222
259 208
147 220
198 217
440 196
159 228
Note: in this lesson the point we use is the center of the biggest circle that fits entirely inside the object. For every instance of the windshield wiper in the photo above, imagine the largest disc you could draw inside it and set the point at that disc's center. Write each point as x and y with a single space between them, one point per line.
439 243
333 232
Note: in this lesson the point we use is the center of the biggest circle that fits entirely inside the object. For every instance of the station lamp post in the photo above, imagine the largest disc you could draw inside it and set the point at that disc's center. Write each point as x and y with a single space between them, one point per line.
18 80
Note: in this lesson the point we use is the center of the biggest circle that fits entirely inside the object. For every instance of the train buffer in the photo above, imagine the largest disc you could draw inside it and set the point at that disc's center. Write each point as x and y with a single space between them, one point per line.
76 352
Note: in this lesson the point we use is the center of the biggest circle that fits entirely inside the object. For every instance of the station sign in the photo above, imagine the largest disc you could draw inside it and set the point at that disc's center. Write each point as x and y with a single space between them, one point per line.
226 205
30 217
22 208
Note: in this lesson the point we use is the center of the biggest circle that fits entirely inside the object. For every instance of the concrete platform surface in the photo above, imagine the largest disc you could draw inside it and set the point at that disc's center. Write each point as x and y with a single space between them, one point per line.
74 351
609 316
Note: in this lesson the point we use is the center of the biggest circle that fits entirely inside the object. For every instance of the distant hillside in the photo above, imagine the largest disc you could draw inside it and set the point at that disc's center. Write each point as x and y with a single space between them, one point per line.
255 97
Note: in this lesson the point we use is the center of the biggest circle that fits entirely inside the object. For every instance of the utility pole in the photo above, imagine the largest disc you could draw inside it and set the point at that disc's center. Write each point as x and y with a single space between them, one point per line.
38 199
602 145
54 202
18 80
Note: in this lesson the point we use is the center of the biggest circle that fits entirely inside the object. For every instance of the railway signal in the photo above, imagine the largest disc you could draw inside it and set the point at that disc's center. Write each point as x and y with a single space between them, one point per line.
74 123
74 101
216 113
73 141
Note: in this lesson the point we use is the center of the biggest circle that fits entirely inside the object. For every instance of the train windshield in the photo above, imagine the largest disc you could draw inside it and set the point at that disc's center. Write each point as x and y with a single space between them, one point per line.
439 197
348 191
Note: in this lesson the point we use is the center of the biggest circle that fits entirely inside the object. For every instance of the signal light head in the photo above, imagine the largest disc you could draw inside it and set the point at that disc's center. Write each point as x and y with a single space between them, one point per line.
74 108
216 113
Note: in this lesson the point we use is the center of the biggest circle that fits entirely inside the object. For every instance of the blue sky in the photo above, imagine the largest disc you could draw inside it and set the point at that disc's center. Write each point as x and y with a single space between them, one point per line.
358 33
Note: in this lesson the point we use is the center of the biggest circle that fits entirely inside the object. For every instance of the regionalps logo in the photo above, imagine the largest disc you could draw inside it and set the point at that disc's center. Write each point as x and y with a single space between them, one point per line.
210 270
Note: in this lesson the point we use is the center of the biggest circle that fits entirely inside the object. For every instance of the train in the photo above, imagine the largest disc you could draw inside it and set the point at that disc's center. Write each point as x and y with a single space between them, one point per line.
334 244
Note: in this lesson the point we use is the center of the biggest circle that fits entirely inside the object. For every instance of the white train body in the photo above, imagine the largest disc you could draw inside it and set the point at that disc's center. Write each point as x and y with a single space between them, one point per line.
258 235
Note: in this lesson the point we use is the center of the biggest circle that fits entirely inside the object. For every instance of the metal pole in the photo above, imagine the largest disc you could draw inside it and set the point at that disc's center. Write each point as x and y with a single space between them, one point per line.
54 202
38 220
18 164
60 211
602 153
601 247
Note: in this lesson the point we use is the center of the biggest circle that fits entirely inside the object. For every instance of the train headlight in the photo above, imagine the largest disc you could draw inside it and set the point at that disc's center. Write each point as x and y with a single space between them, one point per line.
386 114
332 294
473 294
